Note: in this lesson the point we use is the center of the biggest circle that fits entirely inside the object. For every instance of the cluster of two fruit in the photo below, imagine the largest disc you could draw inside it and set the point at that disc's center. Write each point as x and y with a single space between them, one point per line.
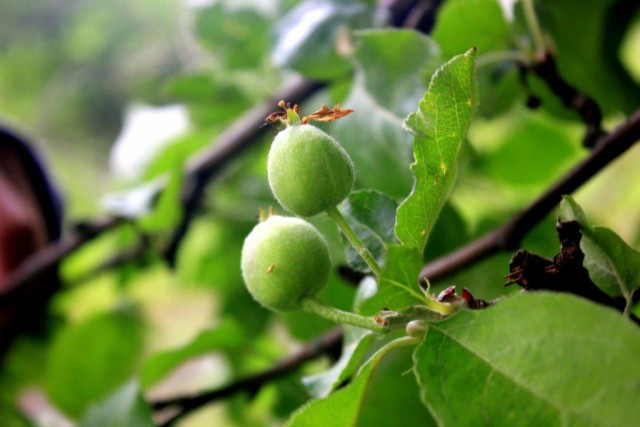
285 259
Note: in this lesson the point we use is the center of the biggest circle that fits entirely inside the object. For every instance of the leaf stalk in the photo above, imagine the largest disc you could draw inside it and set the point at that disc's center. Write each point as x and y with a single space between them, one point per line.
312 305
355 241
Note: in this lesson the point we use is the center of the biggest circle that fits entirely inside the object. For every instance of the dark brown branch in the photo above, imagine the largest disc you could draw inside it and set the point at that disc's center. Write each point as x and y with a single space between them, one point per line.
328 343
48 257
509 235
545 68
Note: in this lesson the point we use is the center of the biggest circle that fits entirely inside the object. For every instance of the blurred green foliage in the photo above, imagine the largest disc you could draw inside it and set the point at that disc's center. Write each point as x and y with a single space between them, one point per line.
69 68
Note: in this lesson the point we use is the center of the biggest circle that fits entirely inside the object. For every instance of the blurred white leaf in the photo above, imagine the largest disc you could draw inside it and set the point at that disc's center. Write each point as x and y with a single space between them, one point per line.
146 131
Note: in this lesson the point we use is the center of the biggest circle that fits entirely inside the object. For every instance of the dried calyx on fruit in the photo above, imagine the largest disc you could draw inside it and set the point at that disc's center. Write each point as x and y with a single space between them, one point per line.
284 259
308 171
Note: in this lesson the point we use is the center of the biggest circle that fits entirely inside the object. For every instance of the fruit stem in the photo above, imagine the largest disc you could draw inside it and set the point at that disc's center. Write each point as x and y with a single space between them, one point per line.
312 305
355 241
293 118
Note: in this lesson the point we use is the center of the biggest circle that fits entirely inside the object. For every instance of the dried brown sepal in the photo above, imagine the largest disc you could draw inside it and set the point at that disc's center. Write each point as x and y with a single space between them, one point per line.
379 320
265 214
326 114
282 116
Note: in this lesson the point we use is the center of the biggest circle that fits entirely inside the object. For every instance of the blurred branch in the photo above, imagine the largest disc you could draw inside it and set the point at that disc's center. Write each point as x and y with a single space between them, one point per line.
509 235
327 343
134 254
49 256
242 134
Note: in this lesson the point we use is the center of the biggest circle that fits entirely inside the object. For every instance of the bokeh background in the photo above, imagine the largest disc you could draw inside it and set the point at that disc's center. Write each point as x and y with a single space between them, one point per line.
116 93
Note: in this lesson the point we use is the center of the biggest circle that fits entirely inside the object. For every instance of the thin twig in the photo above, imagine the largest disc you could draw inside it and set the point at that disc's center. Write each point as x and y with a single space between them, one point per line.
509 235
327 343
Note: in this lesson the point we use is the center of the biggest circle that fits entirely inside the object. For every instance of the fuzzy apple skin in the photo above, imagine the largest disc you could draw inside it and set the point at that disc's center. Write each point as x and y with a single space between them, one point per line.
283 260
308 170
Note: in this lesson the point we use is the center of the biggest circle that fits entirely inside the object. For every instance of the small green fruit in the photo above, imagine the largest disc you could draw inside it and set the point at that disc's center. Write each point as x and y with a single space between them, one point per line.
283 260
308 170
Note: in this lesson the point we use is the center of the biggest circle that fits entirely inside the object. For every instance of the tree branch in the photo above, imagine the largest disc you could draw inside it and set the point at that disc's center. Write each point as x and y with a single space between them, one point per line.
48 257
327 343
509 235
545 67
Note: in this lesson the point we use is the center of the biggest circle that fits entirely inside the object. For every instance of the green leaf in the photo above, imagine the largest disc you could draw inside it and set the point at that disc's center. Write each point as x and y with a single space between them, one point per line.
399 56
181 147
439 127
398 286
89 257
167 211
449 233
125 407
88 360
582 32
238 36
373 209
377 144
226 336
393 396
613 265
212 100
355 345
345 404
529 138
463 24
499 88
209 255
308 38
374 136
371 240
371 215
570 210
552 358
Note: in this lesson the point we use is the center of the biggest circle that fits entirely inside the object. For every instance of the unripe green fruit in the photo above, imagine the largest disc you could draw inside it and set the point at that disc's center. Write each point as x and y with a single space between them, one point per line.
283 260
308 170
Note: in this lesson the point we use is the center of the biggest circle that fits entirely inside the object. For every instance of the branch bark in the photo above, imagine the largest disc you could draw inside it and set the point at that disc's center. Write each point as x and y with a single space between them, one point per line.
328 343
48 257
545 68
509 235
